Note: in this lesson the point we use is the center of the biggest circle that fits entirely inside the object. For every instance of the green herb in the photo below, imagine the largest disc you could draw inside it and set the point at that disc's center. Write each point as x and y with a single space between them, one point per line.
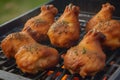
17 36
32 48
83 50
39 21
76 52
59 24
64 22
99 25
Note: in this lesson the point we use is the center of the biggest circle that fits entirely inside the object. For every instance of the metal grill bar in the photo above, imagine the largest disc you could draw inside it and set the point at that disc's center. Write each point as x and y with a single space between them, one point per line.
50 77
70 77
41 75
61 75
116 75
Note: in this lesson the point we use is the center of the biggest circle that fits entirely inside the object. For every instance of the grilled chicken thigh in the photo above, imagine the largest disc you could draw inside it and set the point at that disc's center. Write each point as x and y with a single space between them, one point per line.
38 26
87 58
65 32
103 15
34 57
11 44
111 29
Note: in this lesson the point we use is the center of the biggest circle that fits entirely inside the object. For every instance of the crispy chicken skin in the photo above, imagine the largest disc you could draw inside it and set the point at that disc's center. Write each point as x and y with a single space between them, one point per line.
35 57
11 44
65 32
38 26
111 29
103 15
87 58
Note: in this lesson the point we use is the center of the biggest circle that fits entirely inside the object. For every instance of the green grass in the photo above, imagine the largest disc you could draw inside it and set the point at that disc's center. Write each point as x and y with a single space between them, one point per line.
10 9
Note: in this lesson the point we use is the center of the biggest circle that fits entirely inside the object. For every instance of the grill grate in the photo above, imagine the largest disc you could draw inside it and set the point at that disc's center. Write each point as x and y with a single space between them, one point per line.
58 72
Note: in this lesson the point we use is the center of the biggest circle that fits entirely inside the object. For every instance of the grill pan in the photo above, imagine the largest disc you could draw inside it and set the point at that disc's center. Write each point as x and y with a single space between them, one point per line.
9 69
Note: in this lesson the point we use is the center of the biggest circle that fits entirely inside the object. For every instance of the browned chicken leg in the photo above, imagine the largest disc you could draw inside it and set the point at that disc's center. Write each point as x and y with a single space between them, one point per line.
65 32
103 15
38 26
35 57
87 58
111 29
11 44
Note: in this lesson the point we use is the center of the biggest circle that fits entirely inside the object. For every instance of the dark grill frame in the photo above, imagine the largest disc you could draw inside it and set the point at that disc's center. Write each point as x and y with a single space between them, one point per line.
9 70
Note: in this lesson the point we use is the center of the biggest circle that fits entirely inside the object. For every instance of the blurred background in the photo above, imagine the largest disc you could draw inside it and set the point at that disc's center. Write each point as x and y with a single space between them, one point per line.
10 9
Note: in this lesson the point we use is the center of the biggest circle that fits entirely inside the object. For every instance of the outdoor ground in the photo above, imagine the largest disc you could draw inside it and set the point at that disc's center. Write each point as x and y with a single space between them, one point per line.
10 9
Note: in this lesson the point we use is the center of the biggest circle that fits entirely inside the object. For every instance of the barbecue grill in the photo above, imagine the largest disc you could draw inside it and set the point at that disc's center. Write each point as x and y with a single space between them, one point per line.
10 71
